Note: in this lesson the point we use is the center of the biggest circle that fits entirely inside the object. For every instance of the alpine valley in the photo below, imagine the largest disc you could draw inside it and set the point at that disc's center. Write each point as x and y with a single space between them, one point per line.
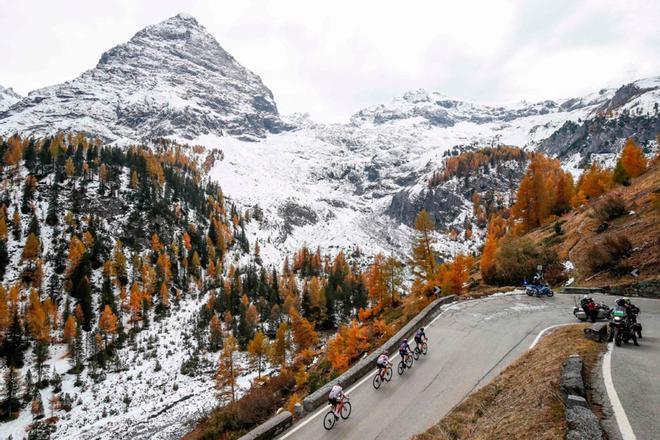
173 109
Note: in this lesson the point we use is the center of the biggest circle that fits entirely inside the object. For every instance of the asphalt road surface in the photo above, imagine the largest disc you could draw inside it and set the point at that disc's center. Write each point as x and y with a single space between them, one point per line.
469 344
636 376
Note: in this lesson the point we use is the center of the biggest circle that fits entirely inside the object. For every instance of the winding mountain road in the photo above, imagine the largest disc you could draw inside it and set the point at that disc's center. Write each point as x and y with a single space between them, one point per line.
469 343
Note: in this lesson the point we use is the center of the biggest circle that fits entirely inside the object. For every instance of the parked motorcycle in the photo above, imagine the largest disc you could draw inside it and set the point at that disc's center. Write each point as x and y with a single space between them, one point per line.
582 315
538 290
621 329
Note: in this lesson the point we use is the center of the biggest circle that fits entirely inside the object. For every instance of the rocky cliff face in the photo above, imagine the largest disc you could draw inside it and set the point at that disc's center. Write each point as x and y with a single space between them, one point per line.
8 98
632 111
170 79
450 202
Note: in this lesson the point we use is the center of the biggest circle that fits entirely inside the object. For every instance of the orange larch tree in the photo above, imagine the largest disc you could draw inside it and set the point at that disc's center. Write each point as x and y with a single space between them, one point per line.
633 159
37 319
4 310
424 256
107 324
135 303
304 335
375 280
70 331
228 370
280 345
594 182
258 349
32 248
215 333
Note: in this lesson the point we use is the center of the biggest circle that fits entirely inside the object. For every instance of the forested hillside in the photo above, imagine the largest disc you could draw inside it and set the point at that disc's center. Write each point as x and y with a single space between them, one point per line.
130 285
595 231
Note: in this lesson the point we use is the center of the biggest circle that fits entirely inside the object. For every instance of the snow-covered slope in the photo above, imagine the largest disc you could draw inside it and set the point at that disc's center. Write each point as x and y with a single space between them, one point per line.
631 111
353 184
8 98
171 78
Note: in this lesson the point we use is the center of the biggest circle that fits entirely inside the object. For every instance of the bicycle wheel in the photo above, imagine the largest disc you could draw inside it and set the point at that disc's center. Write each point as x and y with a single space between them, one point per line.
388 374
401 368
329 420
425 348
416 353
409 361
377 381
345 410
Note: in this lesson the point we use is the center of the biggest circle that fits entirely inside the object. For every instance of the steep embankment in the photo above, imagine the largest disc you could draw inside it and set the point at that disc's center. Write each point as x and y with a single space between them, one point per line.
611 236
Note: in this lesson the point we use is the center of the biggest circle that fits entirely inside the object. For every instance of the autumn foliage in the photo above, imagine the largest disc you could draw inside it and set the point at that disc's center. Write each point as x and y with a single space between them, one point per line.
632 159
545 190
469 162
304 335
594 182
348 344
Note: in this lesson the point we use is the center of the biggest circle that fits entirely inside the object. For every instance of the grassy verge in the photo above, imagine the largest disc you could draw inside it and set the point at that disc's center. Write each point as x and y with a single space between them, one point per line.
524 400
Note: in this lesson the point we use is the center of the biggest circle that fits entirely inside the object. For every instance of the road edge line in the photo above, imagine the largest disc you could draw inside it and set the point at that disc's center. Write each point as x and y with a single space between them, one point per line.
544 331
620 416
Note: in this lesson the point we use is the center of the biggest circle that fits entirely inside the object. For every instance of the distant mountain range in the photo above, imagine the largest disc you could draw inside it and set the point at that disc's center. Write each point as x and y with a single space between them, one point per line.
358 183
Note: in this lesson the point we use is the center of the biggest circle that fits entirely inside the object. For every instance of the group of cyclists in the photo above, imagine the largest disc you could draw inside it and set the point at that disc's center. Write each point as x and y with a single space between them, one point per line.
337 396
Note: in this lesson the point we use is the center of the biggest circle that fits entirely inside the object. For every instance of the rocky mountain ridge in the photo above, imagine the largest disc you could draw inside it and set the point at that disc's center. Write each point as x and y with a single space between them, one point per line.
170 79
8 97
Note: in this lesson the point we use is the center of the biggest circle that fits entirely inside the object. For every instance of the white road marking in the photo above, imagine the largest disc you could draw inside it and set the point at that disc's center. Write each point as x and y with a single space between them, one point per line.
544 331
619 413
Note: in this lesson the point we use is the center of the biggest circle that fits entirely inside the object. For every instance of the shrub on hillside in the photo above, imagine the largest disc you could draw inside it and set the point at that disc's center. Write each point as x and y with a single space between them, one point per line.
609 208
605 255
259 403
517 259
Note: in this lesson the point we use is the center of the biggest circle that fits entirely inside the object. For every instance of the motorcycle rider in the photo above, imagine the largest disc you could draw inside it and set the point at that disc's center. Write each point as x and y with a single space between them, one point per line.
633 311
589 307
622 309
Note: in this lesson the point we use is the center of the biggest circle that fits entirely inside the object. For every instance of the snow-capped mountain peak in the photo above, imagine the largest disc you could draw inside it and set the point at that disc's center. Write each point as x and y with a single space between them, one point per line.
171 79
8 98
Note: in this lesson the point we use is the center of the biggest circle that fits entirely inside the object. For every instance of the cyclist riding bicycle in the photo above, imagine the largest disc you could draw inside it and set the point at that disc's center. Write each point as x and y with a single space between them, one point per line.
382 362
420 337
335 397
404 349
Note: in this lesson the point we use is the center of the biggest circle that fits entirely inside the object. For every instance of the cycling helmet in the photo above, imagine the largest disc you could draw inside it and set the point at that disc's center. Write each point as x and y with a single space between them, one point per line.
585 297
627 300
620 302
405 339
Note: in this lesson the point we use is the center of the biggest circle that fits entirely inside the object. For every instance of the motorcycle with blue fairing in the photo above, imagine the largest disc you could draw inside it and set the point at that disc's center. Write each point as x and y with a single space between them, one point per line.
537 287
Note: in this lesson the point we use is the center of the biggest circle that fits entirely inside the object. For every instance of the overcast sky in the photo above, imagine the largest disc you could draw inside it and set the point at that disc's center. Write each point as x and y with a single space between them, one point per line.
335 57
